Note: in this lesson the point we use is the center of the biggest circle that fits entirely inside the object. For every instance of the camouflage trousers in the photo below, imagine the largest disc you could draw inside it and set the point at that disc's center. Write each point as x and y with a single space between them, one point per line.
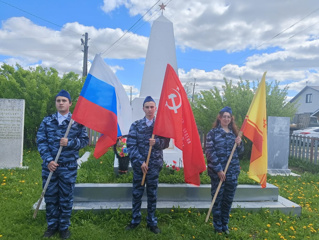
59 195
224 200
151 182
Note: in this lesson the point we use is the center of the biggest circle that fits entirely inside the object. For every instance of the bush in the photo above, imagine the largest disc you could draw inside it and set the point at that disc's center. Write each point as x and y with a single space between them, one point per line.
38 87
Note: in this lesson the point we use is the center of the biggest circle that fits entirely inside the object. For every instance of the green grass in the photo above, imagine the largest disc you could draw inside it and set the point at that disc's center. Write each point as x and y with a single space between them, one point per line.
21 188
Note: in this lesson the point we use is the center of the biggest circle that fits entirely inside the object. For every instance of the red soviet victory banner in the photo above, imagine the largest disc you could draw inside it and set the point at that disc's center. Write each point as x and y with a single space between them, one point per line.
175 120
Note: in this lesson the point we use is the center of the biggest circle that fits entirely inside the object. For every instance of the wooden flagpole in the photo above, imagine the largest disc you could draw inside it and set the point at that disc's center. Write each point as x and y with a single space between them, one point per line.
50 175
220 182
147 161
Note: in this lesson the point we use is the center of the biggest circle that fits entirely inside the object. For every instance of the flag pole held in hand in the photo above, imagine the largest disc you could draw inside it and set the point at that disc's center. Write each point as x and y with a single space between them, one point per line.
220 182
147 161
50 175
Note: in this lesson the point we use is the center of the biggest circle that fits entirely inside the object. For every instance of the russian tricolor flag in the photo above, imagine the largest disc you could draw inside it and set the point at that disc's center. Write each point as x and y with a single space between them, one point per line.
103 106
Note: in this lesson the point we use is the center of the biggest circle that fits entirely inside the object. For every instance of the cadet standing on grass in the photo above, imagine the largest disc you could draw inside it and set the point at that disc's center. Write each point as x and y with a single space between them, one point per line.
50 136
139 141
219 144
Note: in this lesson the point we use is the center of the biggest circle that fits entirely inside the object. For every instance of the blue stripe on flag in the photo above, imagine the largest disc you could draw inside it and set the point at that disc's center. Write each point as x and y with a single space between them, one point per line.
100 93
119 133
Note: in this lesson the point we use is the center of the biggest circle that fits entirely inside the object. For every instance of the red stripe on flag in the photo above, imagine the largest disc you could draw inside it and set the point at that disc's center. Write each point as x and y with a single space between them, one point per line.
95 117
102 145
254 134
263 180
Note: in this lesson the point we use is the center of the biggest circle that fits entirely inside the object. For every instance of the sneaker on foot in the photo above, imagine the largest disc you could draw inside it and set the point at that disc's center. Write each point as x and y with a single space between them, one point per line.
131 226
49 232
65 234
154 229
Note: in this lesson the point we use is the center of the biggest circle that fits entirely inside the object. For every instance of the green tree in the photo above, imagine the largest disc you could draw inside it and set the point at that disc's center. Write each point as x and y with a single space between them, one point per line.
277 101
38 86
208 103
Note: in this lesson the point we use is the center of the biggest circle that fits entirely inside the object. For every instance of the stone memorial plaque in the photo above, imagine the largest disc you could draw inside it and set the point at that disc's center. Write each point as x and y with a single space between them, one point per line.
11 132
278 145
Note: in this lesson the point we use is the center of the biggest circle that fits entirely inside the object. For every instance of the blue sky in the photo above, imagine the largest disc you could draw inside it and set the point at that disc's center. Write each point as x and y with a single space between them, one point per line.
214 39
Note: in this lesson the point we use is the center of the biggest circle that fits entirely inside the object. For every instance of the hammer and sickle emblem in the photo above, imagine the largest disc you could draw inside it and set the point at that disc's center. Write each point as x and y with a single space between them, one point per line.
172 96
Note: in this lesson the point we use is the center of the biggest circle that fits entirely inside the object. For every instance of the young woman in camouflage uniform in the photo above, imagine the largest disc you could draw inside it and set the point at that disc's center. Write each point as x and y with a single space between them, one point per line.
220 141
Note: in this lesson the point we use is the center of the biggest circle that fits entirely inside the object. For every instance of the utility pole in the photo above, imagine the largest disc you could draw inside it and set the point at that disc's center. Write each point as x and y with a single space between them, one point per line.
193 89
85 51
85 71
131 95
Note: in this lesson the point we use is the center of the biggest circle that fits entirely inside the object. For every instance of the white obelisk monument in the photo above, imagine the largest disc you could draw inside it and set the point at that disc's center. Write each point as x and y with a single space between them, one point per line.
160 52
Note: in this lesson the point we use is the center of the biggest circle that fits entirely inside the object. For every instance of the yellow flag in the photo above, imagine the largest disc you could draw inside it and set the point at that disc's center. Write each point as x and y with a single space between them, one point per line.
255 128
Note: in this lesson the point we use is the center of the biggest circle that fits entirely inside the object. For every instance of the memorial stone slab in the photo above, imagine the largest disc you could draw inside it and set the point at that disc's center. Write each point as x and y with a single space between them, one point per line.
278 145
11 132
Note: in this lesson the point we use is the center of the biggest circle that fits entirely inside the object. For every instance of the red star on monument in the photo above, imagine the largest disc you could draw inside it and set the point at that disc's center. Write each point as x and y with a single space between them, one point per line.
162 7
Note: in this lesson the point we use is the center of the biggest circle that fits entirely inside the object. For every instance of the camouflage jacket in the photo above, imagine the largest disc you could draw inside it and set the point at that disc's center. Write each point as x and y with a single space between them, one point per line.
138 144
219 145
49 135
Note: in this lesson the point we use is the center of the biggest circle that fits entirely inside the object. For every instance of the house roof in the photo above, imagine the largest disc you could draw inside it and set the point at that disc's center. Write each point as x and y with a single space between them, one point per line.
315 113
316 88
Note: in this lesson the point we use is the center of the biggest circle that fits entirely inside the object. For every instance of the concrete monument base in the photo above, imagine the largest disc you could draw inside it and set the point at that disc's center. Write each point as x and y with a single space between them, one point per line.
97 197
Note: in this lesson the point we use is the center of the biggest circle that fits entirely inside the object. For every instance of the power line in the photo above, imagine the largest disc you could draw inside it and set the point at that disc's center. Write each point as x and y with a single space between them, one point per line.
129 29
50 22
278 34
20 9
112 47
295 23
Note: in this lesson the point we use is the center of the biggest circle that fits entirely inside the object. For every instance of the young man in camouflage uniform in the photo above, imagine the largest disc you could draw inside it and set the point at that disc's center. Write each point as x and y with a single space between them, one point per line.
50 136
138 142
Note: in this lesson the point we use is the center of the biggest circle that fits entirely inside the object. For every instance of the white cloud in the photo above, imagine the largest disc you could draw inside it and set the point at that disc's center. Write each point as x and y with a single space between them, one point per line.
288 32
30 43
110 5
236 25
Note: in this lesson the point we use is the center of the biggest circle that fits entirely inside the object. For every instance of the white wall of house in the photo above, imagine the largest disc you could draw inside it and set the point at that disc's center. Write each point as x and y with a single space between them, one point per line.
308 101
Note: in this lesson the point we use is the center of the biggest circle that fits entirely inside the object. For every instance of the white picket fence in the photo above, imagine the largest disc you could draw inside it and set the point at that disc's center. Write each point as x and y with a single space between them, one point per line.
304 148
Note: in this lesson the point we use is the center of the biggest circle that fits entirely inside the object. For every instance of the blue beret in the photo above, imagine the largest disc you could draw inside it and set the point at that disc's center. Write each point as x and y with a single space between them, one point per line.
227 109
148 99
64 93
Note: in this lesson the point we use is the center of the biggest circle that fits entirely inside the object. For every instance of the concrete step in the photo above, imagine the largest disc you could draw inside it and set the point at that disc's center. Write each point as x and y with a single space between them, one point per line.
170 192
89 196
283 205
